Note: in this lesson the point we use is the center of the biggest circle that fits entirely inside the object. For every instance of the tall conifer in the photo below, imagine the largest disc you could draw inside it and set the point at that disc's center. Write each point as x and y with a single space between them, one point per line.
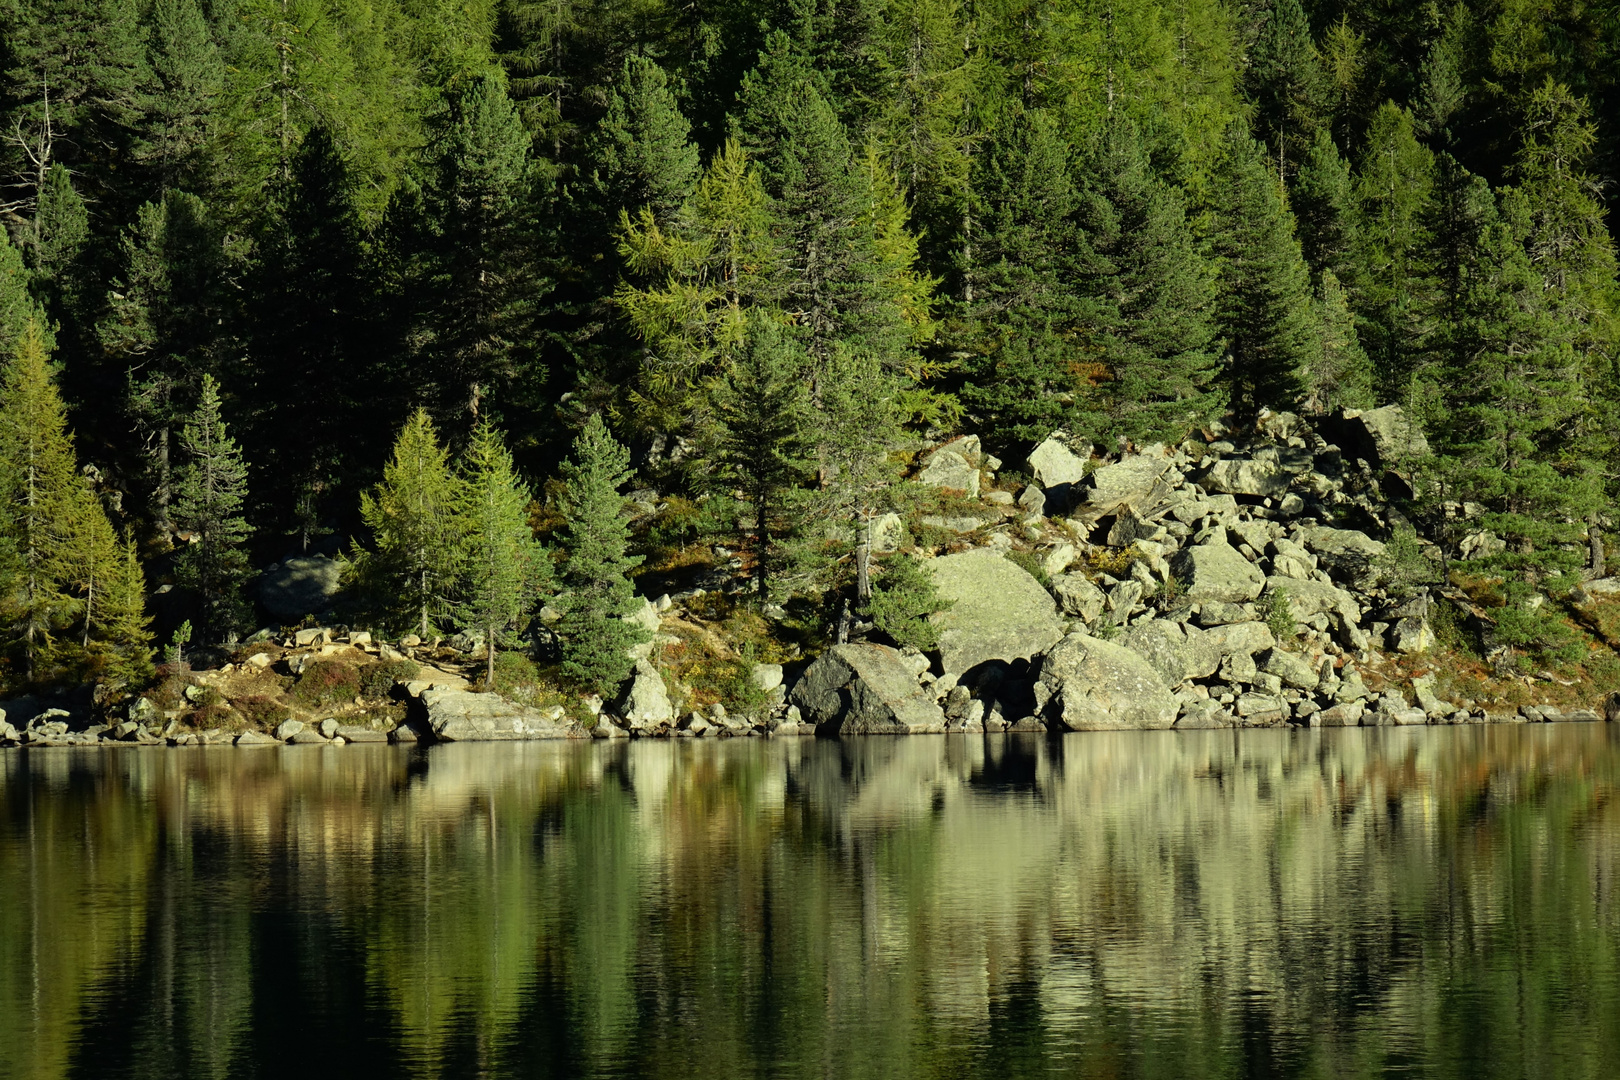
414 513
504 570
210 490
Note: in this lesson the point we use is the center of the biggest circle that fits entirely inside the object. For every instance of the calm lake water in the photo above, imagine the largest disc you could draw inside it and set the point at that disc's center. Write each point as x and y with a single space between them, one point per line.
1415 902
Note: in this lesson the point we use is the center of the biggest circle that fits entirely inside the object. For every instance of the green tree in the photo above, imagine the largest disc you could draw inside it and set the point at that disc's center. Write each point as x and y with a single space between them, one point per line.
121 646
210 490
179 85
641 150
1323 201
902 600
17 306
1148 299
413 514
41 496
1338 375
1287 81
760 440
503 569
597 594
1394 184
1266 313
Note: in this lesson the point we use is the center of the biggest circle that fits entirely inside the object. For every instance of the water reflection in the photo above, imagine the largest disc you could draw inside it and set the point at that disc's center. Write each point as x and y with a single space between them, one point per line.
1164 904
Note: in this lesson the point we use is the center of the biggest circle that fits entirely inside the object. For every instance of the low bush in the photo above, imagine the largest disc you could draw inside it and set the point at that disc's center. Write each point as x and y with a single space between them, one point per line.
326 682
262 711
377 680
1277 612
212 715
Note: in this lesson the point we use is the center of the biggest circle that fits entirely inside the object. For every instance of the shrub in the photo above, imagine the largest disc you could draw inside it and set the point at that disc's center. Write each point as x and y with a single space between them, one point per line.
1278 614
377 680
1032 565
262 711
213 715
326 682
902 600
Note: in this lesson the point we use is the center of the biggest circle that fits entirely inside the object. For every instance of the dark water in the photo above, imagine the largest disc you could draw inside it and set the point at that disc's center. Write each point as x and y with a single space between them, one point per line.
1438 902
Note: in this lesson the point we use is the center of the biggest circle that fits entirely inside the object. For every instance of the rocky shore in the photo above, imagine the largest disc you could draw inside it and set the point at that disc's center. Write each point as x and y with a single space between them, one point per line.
1237 581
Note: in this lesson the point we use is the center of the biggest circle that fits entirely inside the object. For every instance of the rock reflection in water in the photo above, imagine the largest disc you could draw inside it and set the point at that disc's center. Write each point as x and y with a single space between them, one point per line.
1153 904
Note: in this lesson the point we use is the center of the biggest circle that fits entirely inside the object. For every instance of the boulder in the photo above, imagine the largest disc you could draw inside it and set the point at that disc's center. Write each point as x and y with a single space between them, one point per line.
288 728
998 611
766 677
1387 438
1241 639
1291 669
1057 558
1611 707
256 738
1220 613
358 733
1307 598
1215 571
888 532
1344 714
307 737
1203 716
1261 710
951 471
645 704
1346 554
1093 685
1246 476
1134 481
1053 464
1412 635
303 585
1175 651
865 690
1079 597
463 716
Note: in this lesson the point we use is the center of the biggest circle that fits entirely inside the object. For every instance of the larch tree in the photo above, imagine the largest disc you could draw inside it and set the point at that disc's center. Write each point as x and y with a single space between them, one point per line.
503 569
210 492
596 592
414 513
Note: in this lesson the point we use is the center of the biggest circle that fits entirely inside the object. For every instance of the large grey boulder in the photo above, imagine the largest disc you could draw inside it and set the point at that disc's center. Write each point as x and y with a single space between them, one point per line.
645 703
1135 481
1093 685
1307 598
1175 651
865 690
998 611
1291 669
1347 555
1386 437
1078 596
463 716
1215 571
1246 476
1053 464
300 586
951 471
1241 639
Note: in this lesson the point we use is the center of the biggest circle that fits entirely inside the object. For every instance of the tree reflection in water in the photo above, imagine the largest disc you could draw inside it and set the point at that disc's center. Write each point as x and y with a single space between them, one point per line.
1160 904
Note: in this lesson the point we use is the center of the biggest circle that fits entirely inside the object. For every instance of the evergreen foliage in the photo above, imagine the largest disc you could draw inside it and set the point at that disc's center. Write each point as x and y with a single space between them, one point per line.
504 570
902 600
210 493
414 516
597 594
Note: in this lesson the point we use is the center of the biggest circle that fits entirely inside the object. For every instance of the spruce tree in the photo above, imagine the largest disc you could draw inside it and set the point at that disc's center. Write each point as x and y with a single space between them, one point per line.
641 150
178 88
210 491
1323 200
597 593
1148 299
121 644
760 438
1266 311
1287 83
17 305
103 576
1338 375
1393 186
859 420
503 570
902 601
414 514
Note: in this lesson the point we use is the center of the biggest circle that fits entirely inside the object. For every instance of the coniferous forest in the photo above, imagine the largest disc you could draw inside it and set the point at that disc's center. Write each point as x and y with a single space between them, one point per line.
432 286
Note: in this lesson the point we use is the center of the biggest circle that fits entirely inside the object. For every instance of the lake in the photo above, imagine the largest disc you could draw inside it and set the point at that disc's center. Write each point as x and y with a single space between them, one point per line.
1367 902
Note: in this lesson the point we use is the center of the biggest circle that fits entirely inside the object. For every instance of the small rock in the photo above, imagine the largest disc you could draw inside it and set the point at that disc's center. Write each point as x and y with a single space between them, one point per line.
410 641
288 728
310 636
767 677
949 470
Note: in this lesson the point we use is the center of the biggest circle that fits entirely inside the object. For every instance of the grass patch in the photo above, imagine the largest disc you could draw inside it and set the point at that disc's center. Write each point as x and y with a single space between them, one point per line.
262 711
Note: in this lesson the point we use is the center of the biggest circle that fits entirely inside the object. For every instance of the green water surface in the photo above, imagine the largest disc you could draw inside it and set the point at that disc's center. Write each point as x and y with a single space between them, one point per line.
1387 902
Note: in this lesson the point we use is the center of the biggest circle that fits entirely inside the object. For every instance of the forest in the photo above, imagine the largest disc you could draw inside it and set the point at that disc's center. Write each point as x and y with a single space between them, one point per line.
432 284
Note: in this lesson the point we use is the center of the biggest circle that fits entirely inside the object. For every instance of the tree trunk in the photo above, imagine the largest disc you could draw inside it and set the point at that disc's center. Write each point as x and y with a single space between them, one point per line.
863 563
1595 538
489 652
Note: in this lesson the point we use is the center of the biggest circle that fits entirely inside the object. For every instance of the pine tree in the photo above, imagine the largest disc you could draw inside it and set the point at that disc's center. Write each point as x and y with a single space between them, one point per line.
17 306
60 229
41 493
102 575
210 490
1339 375
1288 84
479 291
414 515
760 437
1266 310
1022 307
902 601
161 328
641 151
1394 183
859 420
504 570
121 648
1148 298
1323 201
179 85
1443 91
597 594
